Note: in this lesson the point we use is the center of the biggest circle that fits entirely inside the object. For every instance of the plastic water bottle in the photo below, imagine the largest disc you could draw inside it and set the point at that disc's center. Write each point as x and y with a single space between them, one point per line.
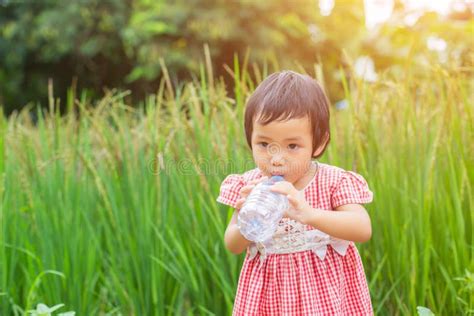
262 211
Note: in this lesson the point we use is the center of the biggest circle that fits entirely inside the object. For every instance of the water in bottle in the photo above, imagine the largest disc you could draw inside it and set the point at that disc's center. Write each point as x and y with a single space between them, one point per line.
262 211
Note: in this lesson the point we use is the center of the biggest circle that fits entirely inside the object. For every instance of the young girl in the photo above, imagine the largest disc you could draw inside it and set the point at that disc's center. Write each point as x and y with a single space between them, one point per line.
310 266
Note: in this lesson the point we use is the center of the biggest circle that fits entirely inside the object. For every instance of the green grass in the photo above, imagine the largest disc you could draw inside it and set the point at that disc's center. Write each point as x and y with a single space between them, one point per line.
111 209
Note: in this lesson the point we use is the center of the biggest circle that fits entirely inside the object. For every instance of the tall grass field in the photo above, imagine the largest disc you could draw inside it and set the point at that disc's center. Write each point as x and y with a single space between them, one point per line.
110 209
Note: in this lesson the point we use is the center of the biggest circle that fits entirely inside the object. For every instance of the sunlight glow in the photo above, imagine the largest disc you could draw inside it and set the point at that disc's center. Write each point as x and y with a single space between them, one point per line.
379 11
325 7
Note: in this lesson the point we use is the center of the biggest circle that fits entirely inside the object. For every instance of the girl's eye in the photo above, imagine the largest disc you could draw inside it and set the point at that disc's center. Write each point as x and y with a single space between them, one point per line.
263 144
292 146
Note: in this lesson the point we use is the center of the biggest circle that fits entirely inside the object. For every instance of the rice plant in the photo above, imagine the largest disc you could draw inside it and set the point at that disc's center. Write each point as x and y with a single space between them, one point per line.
119 201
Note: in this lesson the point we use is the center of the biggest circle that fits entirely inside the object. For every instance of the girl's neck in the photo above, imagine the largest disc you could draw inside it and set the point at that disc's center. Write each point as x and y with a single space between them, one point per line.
307 178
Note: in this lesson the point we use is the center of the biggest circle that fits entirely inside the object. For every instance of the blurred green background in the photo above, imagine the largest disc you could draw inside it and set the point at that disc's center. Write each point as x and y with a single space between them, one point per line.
120 119
92 44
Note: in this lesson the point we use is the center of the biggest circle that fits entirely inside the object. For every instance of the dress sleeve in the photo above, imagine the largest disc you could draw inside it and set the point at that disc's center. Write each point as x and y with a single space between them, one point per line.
230 189
351 189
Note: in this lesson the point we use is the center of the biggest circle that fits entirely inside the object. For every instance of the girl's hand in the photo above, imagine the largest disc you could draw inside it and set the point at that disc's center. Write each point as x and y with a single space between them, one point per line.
245 191
299 209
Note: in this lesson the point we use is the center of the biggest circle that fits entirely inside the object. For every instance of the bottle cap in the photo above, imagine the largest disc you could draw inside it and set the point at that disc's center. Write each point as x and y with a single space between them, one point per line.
277 178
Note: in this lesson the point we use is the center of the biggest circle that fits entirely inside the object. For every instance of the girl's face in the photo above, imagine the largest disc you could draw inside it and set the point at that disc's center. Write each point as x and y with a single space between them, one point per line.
284 148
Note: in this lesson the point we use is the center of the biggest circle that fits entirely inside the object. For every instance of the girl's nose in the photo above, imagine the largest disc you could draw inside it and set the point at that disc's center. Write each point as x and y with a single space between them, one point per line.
277 160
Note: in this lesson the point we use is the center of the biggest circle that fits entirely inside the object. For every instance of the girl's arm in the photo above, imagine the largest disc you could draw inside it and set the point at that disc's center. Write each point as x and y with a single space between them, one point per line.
348 222
233 239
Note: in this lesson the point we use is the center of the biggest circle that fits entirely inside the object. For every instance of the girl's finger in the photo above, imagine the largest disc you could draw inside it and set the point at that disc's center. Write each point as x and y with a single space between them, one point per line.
245 190
277 189
293 201
239 203
288 214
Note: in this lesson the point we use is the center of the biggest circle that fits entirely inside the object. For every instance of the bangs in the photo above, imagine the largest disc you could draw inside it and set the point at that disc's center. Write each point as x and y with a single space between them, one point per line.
282 105
286 96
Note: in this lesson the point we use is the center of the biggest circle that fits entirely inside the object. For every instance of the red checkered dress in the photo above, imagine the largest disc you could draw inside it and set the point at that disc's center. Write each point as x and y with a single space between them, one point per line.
300 283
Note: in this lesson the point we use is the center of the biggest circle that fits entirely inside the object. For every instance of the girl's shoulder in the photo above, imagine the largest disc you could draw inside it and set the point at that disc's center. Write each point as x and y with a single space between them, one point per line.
230 187
244 177
342 186
330 174
252 175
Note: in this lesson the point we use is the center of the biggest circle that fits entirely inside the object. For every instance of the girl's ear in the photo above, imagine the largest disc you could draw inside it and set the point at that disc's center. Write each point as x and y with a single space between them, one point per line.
321 147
